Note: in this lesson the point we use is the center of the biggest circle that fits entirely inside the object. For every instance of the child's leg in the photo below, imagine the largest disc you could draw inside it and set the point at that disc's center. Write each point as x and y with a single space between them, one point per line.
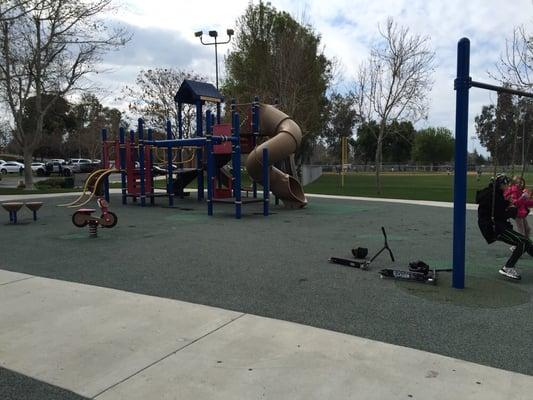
527 229
521 226
521 243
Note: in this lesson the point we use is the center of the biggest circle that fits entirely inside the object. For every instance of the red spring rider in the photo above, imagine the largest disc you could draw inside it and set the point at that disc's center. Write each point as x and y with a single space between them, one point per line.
84 216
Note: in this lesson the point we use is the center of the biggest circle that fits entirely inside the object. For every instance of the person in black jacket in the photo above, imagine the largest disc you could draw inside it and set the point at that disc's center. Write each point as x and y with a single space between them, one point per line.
493 222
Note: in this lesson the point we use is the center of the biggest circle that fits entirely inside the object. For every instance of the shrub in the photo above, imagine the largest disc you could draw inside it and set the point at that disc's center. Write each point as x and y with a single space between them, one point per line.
56 183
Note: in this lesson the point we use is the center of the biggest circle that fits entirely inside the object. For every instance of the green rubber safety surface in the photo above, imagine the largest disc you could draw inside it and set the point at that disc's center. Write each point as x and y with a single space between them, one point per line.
480 292
188 217
323 209
16 386
278 267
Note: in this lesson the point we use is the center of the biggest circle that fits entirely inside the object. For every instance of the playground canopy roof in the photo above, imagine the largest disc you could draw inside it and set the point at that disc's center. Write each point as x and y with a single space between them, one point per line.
192 91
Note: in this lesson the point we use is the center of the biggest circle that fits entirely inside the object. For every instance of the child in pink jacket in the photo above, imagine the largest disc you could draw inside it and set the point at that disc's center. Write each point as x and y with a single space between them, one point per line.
521 198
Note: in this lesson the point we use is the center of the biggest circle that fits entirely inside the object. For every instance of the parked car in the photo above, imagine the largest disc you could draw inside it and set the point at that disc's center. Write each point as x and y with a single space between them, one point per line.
2 162
11 166
55 166
38 168
77 164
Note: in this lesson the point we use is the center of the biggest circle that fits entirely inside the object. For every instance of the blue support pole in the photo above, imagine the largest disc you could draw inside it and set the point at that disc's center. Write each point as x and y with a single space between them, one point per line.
140 132
236 158
106 178
462 86
199 161
180 130
266 182
276 198
255 133
151 156
233 108
210 161
134 156
169 167
218 112
122 155
180 121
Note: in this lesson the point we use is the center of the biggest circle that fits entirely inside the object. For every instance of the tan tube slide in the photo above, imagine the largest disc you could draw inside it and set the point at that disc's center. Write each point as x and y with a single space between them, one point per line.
285 138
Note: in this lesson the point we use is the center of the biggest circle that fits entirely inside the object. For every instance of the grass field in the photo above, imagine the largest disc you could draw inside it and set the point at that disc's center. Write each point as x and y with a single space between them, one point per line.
420 186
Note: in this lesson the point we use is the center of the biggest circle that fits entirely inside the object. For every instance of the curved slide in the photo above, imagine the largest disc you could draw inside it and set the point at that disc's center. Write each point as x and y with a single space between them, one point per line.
285 138
90 188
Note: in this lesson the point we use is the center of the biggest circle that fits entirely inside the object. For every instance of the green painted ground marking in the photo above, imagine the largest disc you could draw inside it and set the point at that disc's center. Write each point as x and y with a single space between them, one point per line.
478 293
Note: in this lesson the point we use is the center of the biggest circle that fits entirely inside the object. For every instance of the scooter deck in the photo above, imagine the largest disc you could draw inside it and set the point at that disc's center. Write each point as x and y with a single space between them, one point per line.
362 264
430 277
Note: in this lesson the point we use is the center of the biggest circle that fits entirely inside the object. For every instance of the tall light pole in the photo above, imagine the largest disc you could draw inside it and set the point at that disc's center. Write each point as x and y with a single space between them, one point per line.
214 34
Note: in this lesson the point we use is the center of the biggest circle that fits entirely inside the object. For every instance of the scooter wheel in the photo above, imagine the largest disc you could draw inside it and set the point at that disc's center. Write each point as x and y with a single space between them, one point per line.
108 220
79 219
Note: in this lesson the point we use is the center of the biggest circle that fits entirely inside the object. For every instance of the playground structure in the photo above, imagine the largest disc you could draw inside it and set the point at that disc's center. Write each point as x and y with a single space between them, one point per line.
462 85
215 145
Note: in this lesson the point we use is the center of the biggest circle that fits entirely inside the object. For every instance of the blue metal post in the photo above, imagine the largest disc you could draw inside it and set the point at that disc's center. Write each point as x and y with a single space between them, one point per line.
169 167
140 132
199 161
266 182
236 158
122 155
180 131
218 112
255 133
210 161
462 86
233 108
104 151
152 190
180 122
276 198
135 157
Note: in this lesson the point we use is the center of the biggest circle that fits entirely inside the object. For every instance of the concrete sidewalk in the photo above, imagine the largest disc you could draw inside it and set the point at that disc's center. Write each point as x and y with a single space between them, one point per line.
321 196
110 344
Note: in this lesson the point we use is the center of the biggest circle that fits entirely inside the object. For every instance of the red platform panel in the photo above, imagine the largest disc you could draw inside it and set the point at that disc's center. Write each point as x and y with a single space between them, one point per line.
222 130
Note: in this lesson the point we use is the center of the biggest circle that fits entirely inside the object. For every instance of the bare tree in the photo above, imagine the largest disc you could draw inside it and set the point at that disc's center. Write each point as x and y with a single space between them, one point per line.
47 47
5 133
153 97
515 67
392 85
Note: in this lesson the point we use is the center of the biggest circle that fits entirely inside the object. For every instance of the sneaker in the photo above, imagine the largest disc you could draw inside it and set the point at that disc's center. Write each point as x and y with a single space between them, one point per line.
510 273
512 248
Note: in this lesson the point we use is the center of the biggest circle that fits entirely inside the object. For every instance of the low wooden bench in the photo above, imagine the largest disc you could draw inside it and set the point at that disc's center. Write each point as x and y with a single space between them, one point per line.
12 208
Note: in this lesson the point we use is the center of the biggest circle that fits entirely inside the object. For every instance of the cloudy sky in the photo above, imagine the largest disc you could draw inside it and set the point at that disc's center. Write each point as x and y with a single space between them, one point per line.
163 36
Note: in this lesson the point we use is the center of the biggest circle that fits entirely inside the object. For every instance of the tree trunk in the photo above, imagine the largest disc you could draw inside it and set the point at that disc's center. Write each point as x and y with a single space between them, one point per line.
379 154
513 155
28 176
